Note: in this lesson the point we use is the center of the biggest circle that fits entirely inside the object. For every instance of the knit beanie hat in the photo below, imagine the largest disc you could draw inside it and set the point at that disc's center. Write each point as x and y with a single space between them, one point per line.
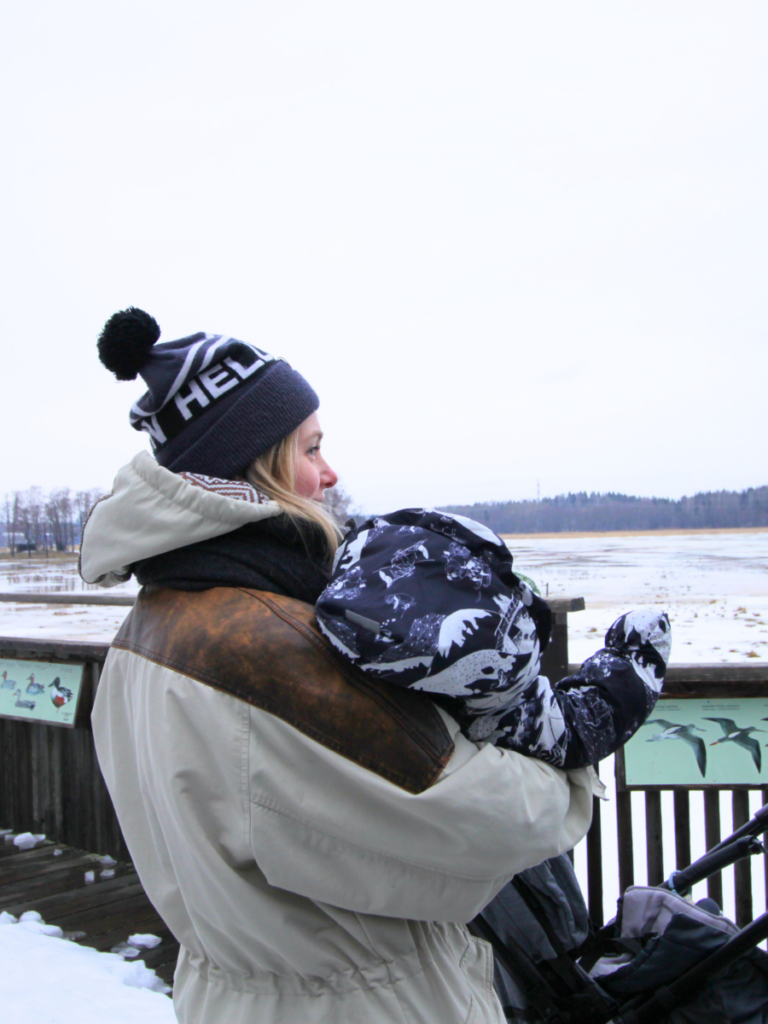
213 403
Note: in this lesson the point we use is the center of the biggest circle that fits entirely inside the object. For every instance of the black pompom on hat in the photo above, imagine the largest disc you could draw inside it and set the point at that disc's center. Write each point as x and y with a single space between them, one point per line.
126 341
213 403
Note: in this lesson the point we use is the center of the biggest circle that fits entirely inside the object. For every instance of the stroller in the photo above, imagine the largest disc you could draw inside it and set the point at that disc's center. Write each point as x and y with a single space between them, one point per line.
662 959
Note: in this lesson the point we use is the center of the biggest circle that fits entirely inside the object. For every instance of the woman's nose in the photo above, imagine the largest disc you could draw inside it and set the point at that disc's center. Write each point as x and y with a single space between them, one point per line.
328 477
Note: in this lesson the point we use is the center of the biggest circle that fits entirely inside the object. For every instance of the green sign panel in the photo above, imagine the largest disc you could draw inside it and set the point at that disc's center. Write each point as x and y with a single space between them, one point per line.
695 742
40 691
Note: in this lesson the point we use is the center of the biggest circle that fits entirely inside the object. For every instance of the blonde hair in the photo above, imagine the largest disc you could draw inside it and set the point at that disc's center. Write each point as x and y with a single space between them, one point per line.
274 474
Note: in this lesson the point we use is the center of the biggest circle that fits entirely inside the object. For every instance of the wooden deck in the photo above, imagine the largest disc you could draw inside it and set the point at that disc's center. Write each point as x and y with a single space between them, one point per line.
101 914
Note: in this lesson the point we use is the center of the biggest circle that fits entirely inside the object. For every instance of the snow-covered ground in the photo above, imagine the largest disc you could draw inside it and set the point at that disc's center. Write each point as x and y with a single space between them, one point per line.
60 622
713 585
47 979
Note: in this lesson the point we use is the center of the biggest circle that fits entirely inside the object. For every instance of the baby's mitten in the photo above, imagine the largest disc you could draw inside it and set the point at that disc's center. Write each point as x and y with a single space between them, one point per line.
645 637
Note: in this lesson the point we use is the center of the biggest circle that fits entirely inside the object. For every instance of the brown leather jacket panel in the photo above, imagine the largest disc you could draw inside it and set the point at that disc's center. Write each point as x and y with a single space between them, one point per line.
267 650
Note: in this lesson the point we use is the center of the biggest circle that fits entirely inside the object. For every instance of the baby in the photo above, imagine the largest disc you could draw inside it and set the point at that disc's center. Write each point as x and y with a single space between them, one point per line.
429 601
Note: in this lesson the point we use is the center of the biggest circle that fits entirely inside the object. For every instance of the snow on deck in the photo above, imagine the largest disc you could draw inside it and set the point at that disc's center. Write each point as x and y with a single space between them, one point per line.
79 940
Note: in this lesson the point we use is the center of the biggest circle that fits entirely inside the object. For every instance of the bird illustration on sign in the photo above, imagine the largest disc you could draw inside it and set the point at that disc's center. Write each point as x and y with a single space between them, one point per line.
677 731
732 733
34 687
60 695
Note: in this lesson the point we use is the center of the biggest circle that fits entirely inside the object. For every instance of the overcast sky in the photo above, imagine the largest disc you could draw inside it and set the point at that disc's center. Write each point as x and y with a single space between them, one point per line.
511 244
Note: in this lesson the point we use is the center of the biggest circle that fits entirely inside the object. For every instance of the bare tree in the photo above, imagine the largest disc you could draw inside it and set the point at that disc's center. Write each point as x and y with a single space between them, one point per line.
84 502
10 522
58 513
339 504
36 524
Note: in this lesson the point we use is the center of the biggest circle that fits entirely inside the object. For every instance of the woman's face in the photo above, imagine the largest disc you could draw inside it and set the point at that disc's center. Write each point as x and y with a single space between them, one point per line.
313 474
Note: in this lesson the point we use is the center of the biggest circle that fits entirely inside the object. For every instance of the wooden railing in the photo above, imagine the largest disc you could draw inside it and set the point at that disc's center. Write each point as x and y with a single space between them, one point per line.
50 780
49 777
682 681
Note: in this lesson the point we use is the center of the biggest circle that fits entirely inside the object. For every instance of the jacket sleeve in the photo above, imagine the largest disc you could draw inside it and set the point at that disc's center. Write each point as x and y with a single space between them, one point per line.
589 715
328 829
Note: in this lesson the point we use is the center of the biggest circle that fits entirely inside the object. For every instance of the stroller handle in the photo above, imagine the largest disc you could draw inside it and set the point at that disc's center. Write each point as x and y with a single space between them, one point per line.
716 859
756 825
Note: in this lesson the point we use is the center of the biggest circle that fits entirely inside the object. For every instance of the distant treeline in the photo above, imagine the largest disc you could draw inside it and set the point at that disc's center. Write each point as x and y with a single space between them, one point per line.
32 520
598 512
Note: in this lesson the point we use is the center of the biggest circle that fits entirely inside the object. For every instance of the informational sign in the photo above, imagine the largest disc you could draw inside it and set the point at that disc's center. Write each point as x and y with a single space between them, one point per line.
40 691
696 742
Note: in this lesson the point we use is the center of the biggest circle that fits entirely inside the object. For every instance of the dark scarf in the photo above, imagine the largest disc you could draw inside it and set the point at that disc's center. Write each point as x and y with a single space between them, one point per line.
274 555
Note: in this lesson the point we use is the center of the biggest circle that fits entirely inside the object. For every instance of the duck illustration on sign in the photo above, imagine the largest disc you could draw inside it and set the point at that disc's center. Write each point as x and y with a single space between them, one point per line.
34 687
27 702
675 731
60 695
732 733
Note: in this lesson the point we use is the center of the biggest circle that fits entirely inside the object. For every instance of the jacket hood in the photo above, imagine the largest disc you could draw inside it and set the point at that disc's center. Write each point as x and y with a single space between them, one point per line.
152 510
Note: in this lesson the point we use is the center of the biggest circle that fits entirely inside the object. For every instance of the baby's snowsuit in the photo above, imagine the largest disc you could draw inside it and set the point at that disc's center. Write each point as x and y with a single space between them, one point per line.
429 600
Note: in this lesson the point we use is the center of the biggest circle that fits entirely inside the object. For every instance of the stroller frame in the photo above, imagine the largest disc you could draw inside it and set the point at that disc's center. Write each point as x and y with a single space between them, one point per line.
561 991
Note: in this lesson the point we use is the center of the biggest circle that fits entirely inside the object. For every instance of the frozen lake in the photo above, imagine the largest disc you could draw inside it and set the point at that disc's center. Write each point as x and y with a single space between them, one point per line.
714 586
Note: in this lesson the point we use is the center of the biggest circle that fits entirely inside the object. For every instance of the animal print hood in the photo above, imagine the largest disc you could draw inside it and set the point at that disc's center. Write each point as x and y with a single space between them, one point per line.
429 599
152 510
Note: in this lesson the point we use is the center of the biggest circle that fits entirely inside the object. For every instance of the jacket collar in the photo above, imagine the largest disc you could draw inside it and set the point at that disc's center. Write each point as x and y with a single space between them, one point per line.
152 510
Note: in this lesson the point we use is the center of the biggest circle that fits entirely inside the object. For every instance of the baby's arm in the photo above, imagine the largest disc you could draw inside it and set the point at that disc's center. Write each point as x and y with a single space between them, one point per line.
589 715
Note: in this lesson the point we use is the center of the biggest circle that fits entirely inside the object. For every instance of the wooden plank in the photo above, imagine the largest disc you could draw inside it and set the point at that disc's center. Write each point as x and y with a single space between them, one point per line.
625 840
14 868
682 828
125 914
653 838
71 597
103 933
73 901
679 673
595 866
106 911
51 650
71 876
712 838
563 605
43 849
743 868
554 660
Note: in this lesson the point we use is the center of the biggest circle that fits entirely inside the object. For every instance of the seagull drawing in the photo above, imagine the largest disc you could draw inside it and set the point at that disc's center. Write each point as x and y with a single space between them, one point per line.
733 734
676 731
34 687
60 695
8 684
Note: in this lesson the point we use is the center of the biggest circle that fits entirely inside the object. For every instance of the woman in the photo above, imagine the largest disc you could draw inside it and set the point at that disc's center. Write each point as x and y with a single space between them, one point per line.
314 840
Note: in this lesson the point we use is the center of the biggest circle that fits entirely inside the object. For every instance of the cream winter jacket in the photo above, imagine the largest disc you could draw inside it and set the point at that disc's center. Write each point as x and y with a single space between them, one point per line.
303 883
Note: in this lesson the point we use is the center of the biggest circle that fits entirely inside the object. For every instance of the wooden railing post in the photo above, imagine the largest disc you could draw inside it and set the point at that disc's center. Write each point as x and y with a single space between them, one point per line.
595 865
653 842
742 868
682 829
712 838
625 840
